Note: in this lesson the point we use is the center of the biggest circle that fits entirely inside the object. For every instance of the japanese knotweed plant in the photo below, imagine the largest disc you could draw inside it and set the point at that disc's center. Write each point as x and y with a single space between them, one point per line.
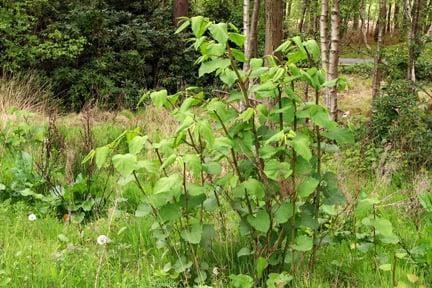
242 167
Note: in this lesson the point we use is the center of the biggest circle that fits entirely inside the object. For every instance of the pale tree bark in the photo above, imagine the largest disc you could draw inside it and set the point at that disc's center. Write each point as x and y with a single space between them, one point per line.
389 13
334 58
274 25
246 23
376 81
252 37
324 43
363 30
414 39
305 6
180 9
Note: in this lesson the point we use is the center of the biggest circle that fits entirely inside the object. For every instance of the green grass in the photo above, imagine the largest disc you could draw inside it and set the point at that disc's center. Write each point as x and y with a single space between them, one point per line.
51 253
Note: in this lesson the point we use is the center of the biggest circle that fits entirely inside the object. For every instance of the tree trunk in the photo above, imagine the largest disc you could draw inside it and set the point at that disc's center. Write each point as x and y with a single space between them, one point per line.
388 29
414 39
274 25
251 37
180 9
246 24
334 57
376 81
396 16
324 35
305 5
363 31
368 20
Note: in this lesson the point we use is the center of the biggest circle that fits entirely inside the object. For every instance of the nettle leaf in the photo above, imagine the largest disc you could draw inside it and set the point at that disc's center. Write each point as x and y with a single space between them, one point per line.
193 235
125 164
307 187
137 144
241 281
283 212
301 144
159 98
261 265
101 155
276 170
342 136
238 39
213 65
260 222
303 243
219 32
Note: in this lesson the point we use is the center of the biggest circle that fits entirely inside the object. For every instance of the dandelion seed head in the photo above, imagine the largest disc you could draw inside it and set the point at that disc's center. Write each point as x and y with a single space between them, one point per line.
102 240
32 217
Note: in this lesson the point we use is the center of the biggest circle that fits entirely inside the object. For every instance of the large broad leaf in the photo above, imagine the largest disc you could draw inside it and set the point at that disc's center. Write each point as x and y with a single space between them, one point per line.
167 184
301 144
101 154
283 213
125 164
341 135
213 65
307 187
219 32
260 222
169 212
159 98
193 235
254 187
199 24
303 243
277 170
237 38
137 144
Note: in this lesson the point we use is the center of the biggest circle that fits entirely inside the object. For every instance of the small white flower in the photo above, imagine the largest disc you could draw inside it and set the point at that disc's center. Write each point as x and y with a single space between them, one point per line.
102 240
215 271
32 217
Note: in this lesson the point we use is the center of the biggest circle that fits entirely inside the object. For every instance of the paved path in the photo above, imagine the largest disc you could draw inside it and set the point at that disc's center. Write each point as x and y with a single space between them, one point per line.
353 61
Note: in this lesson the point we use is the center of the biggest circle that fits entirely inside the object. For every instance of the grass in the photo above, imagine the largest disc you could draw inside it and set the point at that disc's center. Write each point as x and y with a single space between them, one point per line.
50 252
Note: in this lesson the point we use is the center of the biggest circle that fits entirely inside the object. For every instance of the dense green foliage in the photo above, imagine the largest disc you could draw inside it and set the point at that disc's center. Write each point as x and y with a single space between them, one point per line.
104 51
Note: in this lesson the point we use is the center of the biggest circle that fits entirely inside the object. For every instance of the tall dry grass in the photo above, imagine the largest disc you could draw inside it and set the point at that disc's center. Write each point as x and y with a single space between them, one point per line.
24 92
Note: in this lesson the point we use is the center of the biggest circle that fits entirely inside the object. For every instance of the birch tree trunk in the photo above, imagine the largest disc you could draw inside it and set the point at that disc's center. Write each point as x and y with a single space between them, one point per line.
334 58
414 39
376 81
324 43
251 32
246 23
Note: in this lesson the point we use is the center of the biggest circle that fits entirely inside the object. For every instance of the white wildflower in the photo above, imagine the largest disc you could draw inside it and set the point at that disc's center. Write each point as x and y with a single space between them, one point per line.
32 217
215 271
102 240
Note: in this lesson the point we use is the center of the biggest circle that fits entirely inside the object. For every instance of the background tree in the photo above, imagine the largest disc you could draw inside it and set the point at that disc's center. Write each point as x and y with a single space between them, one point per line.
180 9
